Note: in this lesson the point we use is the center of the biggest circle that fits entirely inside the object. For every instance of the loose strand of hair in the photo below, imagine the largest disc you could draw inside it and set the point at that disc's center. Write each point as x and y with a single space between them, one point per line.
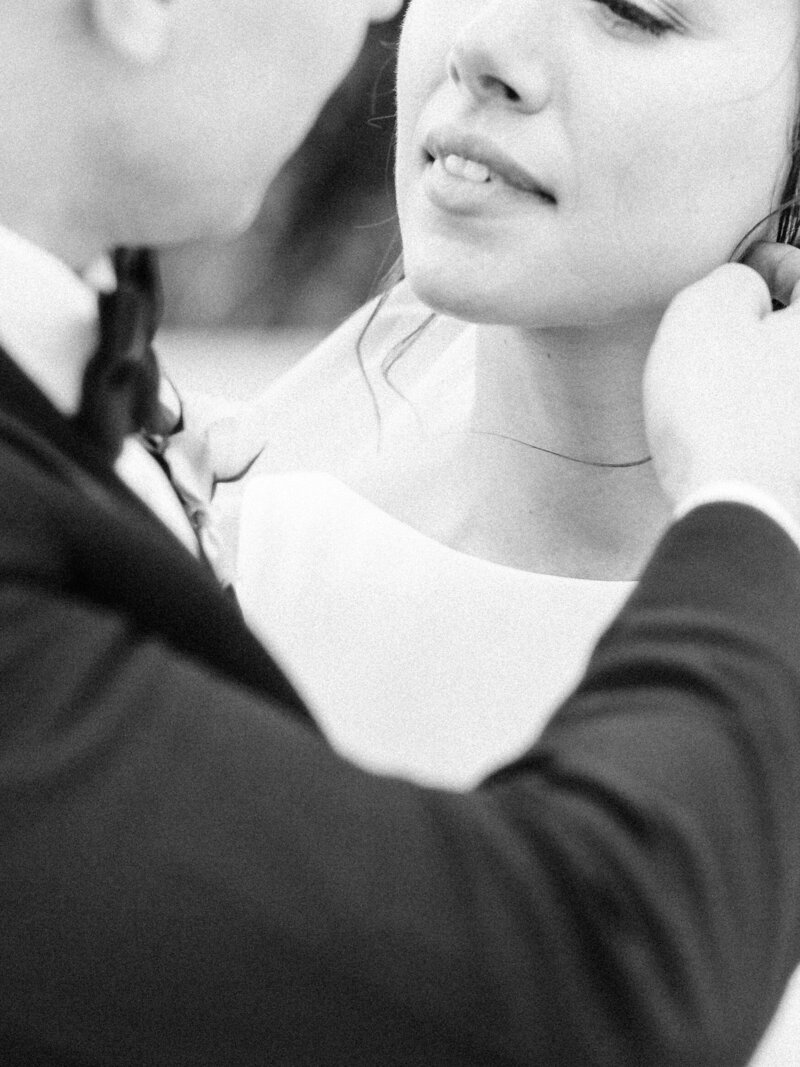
393 277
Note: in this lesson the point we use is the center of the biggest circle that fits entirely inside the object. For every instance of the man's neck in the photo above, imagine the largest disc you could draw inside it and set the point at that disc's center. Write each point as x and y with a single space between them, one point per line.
76 250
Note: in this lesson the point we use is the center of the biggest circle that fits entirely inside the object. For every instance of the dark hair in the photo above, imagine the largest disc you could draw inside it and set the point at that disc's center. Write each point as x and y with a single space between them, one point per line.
392 278
789 220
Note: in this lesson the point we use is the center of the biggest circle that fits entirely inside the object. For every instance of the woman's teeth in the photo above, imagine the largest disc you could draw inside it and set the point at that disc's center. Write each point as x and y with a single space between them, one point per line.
467 169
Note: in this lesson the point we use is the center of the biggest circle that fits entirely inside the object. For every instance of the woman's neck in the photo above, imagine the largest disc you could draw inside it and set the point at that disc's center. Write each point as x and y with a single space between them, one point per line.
541 468
568 404
577 394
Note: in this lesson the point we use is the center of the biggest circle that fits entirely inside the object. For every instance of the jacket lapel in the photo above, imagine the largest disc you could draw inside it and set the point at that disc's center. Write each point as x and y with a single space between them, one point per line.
121 555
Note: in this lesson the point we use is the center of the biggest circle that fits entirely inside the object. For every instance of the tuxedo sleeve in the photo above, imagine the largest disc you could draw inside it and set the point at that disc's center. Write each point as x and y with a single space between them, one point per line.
190 877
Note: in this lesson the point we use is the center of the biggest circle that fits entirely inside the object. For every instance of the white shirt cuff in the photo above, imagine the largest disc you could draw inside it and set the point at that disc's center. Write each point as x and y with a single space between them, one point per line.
741 493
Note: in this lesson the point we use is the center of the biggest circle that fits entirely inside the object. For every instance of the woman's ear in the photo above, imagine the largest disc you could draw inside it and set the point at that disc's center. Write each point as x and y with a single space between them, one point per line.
137 30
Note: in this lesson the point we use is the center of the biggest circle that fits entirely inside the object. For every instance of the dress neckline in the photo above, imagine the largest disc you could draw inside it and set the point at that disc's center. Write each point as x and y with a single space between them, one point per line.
355 500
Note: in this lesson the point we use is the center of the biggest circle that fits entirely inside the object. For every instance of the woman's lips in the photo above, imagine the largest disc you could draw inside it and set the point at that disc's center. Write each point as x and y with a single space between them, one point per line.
474 159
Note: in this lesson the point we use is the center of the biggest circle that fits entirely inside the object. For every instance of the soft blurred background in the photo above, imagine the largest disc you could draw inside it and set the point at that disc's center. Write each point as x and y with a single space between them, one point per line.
239 313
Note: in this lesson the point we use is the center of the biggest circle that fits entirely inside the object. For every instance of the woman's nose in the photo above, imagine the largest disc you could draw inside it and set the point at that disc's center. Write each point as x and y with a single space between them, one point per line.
490 63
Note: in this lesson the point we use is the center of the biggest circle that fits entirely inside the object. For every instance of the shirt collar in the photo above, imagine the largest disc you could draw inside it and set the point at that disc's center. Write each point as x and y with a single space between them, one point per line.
48 316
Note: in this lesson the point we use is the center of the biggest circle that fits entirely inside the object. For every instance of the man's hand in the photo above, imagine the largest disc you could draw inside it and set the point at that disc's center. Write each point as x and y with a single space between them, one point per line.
722 382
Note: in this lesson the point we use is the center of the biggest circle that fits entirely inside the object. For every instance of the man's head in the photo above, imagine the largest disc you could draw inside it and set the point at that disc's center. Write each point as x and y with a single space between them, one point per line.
155 121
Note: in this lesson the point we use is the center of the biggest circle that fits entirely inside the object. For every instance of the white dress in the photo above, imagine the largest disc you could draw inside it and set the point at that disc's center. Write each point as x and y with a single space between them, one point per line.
416 659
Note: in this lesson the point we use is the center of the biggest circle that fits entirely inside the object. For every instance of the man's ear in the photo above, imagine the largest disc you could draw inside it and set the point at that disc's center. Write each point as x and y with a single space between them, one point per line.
137 30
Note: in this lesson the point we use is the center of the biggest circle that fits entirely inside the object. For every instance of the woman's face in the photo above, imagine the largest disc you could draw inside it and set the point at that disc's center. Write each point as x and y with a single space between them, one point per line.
580 161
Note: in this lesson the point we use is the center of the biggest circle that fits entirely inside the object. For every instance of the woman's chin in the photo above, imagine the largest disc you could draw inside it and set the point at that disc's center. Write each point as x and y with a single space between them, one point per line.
451 296
536 300
485 301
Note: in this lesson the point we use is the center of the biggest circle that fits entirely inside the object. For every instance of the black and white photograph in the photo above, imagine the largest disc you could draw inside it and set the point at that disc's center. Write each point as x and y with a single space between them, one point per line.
400 533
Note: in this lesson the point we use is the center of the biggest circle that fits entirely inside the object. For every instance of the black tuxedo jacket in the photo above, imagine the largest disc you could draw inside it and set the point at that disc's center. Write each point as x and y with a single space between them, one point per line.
189 875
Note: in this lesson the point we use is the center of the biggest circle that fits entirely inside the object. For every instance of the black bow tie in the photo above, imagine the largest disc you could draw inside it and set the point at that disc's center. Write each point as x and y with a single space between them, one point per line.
120 384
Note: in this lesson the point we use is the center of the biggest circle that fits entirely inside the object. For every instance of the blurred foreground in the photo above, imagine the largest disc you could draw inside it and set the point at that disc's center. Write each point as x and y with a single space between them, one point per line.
327 232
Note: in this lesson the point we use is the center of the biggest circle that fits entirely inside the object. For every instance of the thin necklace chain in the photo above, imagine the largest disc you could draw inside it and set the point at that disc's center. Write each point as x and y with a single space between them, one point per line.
561 455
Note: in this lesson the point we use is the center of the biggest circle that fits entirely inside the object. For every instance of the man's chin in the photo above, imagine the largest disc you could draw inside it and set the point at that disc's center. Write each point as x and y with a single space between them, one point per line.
249 204
246 217
230 221
219 211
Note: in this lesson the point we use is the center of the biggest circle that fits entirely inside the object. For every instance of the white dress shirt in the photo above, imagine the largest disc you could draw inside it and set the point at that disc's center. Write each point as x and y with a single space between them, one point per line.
49 326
